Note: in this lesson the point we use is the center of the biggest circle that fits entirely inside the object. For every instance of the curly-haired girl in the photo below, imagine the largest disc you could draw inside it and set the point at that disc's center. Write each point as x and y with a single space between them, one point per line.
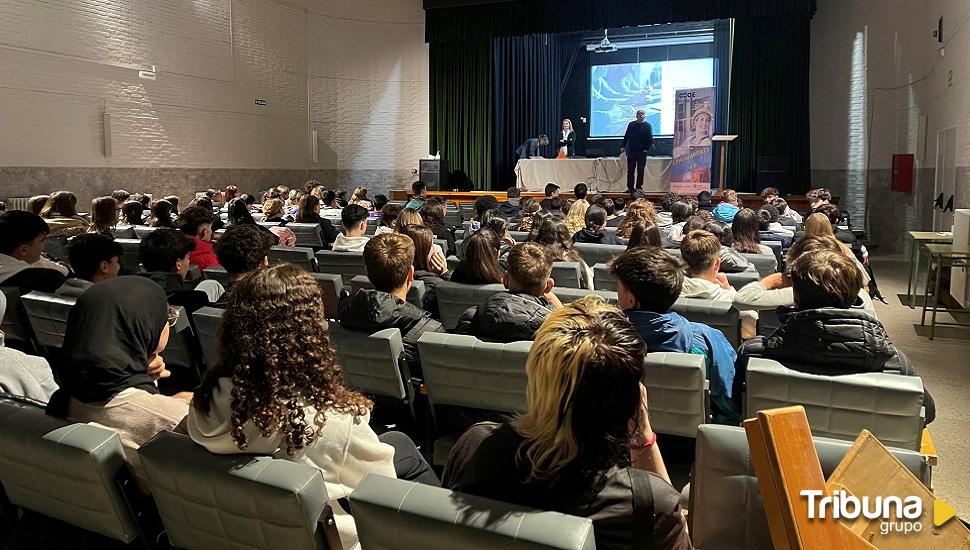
276 390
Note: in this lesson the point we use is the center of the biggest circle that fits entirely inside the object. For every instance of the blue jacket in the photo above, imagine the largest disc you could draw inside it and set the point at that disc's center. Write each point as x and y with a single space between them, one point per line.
725 212
672 332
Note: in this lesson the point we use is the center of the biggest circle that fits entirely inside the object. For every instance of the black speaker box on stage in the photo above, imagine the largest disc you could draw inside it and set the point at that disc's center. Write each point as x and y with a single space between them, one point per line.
435 173
773 172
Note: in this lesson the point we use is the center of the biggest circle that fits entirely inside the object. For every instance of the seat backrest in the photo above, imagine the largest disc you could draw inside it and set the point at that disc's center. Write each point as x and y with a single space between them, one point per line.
217 273
297 255
346 264
722 316
455 298
888 405
124 232
371 363
519 236
678 389
307 234
452 218
739 279
331 285
207 321
47 314
233 501
766 264
129 254
726 510
465 371
15 325
64 471
602 278
568 295
460 248
55 248
599 253
392 513
453 262
566 274
141 231
443 243
415 293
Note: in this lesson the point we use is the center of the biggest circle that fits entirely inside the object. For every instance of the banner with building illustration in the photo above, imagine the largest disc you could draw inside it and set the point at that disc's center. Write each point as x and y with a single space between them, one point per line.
690 172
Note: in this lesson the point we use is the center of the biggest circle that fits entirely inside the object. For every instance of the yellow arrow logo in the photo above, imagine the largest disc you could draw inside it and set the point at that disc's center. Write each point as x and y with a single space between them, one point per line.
942 512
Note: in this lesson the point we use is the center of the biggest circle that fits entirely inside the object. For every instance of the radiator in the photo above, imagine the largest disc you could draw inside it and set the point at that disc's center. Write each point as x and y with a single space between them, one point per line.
17 203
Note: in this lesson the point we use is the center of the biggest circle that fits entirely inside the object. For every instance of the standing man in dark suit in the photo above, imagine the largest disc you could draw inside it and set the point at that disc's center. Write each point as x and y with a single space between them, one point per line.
530 147
636 142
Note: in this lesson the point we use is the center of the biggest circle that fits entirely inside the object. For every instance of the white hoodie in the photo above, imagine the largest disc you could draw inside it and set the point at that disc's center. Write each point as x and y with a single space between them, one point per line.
344 243
10 266
346 449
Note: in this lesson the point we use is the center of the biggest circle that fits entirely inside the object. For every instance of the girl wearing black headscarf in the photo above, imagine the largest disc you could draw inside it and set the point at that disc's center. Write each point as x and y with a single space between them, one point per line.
115 334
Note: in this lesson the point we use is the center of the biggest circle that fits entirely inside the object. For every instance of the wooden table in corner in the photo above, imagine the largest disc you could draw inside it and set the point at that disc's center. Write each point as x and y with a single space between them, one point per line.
919 239
944 255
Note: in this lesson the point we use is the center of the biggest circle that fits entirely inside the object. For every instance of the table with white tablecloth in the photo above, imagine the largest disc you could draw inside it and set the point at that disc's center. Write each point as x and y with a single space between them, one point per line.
606 175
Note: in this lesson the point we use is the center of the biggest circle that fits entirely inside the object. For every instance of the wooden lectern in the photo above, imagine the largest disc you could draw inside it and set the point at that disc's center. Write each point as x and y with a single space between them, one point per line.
724 140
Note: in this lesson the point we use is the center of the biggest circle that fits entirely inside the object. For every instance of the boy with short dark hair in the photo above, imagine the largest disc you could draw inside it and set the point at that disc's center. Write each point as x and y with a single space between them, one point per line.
242 249
353 238
23 236
389 260
93 258
511 205
649 281
517 313
551 192
196 222
166 255
580 190
419 194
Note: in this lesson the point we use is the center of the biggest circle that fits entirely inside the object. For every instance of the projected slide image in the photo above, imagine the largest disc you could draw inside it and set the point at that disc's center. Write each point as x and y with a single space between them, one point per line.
618 91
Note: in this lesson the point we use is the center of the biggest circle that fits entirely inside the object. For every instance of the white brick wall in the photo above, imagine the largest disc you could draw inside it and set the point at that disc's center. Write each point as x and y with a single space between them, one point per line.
356 70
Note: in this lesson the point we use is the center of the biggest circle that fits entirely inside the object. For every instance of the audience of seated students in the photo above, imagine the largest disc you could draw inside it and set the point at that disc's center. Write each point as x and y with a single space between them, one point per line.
36 203
769 194
649 281
679 212
291 205
510 208
433 215
389 215
61 215
242 249
731 260
619 212
419 194
205 203
704 201
359 197
817 197
639 209
496 221
294 405
819 224
824 333
610 207
161 214
115 336
353 220
575 219
836 219
728 207
93 258
22 239
104 216
644 234
585 445
309 212
237 213
380 201
23 375
273 211
480 266
482 205
430 266
408 216
701 251
196 222
786 215
664 217
595 231
144 199
120 195
389 261
132 213
746 231
552 234
517 313
770 215
174 201
165 254
551 200
527 213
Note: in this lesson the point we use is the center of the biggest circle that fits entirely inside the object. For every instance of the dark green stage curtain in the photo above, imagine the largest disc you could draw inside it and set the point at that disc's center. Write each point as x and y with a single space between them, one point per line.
461 110
769 99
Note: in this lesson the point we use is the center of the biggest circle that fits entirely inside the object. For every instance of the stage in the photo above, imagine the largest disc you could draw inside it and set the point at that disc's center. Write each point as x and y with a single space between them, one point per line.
604 174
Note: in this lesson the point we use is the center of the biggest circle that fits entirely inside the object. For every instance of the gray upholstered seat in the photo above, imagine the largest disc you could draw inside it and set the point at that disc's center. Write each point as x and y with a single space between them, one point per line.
519 236
678 389
764 263
459 234
373 363
726 511
415 293
392 513
217 273
47 314
346 264
331 285
599 253
453 261
65 471
234 501
888 405
567 274
452 218
129 254
719 315
15 325
602 278
207 321
297 255
443 244
307 234
460 248
141 231
741 278
124 232
455 298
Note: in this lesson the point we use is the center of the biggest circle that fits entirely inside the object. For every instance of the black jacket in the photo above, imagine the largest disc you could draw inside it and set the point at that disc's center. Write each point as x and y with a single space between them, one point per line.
327 230
569 142
431 281
638 139
505 317
178 291
510 211
595 237
443 233
528 149
371 311
831 341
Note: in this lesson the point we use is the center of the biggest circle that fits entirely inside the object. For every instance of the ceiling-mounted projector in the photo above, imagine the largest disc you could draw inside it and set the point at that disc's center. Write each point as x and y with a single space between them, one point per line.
605 45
